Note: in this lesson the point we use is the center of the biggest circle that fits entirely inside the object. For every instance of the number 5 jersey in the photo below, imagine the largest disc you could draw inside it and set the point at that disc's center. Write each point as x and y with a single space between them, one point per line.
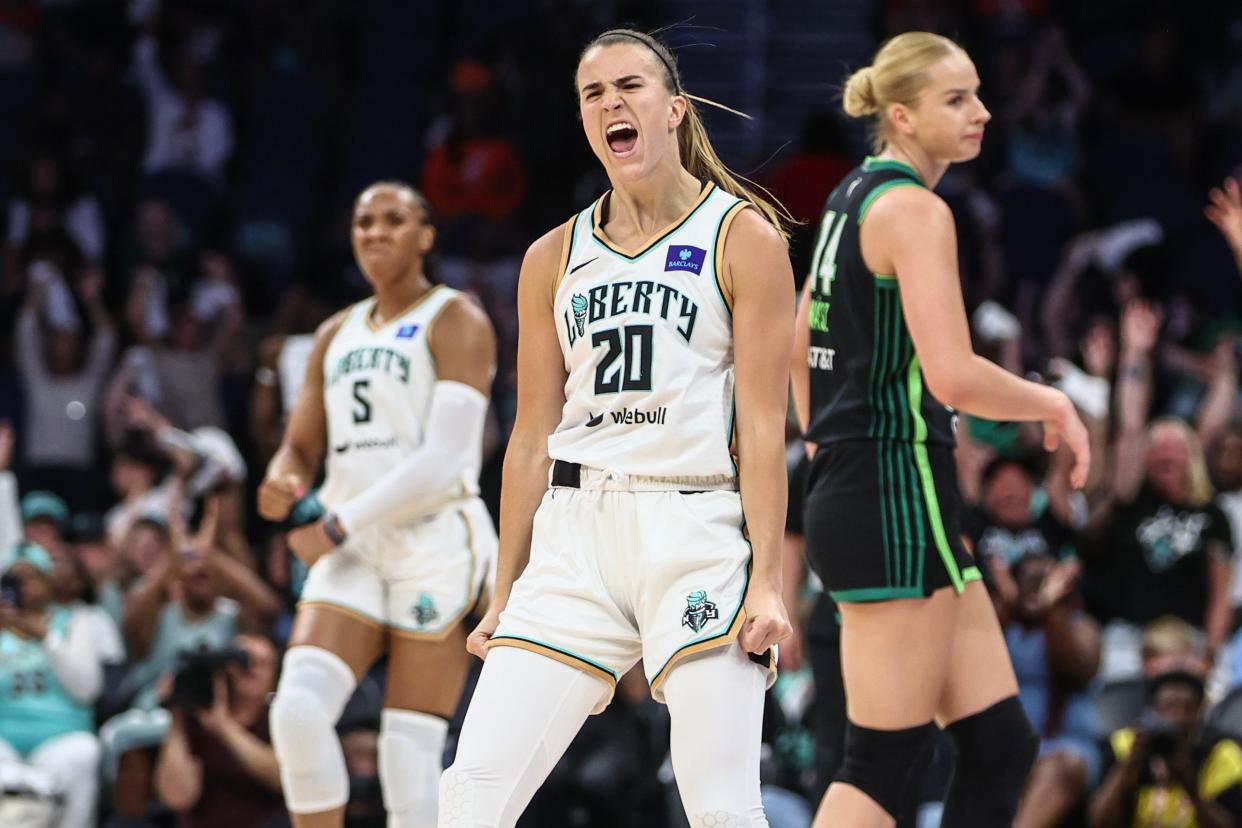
647 339
377 382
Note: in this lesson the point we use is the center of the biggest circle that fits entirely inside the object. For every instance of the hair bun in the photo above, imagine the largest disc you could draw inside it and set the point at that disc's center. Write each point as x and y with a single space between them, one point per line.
859 98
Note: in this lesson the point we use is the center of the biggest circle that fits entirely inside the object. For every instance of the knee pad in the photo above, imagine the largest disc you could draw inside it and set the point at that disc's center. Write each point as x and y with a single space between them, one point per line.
995 751
887 765
411 757
314 687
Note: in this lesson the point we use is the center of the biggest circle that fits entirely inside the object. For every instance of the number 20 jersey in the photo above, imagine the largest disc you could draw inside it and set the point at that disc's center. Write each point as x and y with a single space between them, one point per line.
647 339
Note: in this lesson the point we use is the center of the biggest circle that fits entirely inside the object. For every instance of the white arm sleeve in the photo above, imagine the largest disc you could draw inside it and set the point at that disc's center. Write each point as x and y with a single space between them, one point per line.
74 660
420 482
10 513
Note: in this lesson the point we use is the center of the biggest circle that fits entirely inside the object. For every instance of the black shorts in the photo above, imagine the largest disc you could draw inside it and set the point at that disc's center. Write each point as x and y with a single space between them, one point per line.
883 521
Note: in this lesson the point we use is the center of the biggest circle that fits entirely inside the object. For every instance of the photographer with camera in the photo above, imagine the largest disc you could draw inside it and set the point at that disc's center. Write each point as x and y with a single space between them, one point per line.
194 598
50 675
217 766
1167 772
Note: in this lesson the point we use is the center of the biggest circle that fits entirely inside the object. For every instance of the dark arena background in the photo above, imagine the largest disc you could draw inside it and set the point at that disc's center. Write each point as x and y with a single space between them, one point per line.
177 180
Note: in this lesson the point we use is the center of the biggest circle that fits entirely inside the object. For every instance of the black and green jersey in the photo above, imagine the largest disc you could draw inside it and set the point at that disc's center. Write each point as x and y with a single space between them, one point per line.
866 381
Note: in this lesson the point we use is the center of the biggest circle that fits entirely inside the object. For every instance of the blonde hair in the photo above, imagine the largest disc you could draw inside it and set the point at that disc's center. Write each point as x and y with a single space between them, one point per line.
1198 480
694 145
897 74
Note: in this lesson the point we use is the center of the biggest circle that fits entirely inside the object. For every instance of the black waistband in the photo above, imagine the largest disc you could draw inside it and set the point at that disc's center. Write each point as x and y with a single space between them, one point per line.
567 475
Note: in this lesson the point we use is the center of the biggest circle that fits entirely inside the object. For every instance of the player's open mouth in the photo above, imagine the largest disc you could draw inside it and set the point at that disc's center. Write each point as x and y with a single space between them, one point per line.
622 137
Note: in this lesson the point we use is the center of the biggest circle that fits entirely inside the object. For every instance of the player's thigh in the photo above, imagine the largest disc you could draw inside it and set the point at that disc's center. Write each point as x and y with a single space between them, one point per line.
979 670
895 657
355 640
427 675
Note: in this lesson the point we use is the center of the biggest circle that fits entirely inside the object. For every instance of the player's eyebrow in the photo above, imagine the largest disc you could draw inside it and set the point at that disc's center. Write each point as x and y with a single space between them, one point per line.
594 86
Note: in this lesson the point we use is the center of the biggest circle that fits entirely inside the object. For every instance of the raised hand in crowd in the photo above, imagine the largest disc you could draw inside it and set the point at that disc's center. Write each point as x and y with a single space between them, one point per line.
7 440
1225 211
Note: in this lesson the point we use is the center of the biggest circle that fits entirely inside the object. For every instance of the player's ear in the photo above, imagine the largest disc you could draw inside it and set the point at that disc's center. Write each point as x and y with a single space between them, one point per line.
899 116
677 111
428 239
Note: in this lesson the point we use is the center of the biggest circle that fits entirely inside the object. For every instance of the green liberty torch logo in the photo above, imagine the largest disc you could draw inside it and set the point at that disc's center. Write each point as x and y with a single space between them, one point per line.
579 303
699 611
424 611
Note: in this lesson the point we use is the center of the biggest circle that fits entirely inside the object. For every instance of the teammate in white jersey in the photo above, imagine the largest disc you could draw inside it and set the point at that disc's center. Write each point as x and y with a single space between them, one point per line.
643 319
396 396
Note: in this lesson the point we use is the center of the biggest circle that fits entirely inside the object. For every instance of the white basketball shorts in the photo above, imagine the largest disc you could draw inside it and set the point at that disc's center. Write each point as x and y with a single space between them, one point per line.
617 575
420 579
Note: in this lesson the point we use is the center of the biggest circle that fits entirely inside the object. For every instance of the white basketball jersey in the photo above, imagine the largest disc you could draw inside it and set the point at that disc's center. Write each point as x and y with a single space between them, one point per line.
377 384
648 344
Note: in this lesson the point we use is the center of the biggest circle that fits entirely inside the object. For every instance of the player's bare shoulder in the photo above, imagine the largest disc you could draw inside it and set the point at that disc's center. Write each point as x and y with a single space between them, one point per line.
463 327
544 260
752 249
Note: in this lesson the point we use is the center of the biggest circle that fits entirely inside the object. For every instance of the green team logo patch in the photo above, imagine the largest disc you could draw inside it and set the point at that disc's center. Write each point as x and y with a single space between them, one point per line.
579 303
699 611
424 611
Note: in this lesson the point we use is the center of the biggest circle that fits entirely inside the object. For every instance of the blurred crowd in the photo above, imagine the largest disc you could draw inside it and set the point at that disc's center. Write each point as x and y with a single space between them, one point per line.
175 187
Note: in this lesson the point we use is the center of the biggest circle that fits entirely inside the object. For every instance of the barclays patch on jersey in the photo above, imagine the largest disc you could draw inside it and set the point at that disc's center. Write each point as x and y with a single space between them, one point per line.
685 257
407 331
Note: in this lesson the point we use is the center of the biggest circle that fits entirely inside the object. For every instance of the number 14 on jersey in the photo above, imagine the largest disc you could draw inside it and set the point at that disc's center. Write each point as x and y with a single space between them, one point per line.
824 267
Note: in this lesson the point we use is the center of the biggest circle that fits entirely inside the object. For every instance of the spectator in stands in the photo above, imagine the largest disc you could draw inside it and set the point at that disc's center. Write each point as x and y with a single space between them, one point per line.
1015 518
217 766
1168 549
50 198
90 547
63 374
1165 770
472 175
191 599
10 515
50 675
73 590
44 517
187 130
1225 211
158 269
1055 649
146 542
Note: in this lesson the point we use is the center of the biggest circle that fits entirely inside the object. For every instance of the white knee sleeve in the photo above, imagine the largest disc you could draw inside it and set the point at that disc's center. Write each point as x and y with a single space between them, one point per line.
524 713
314 687
411 758
715 701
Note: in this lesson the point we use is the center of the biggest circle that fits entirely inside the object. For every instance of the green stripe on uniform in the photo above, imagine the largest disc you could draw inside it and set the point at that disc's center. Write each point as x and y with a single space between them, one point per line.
874 385
915 381
881 190
845 596
871 164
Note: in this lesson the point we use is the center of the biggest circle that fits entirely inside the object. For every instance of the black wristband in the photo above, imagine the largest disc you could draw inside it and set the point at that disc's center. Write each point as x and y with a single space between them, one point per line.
332 528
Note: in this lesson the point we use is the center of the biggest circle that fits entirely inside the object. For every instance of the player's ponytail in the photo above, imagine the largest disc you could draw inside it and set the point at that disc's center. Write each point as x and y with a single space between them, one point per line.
897 74
698 155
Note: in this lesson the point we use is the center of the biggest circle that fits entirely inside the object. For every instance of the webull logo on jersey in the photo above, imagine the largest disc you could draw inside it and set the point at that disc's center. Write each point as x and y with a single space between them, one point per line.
685 257
631 416
644 296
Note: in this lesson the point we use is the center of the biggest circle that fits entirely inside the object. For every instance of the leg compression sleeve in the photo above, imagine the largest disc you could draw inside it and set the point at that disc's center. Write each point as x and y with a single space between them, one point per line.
995 751
314 687
715 701
887 765
526 710
411 758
